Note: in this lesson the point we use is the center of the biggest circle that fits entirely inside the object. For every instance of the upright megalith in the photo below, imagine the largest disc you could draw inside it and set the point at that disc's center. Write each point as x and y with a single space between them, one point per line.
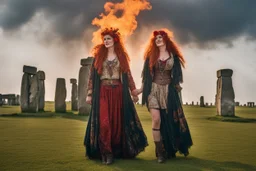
29 90
60 95
83 77
225 99
41 93
74 91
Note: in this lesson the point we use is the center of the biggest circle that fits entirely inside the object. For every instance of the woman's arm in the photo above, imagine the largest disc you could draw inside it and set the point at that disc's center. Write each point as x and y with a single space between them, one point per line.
90 86
131 83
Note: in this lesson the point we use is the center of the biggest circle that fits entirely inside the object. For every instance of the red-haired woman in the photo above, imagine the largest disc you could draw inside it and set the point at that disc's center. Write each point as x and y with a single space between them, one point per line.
114 128
162 75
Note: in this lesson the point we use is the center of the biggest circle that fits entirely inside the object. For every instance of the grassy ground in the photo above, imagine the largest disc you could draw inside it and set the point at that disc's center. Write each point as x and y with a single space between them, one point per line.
55 142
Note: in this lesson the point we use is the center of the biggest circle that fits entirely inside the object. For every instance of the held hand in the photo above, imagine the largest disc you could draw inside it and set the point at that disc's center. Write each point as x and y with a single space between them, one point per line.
135 99
178 88
136 92
89 100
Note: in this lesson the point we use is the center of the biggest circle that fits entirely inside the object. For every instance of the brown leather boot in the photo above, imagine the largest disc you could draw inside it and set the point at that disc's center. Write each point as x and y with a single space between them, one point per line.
109 159
159 150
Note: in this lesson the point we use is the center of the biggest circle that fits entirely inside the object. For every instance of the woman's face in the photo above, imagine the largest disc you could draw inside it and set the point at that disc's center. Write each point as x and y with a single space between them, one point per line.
159 40
108 41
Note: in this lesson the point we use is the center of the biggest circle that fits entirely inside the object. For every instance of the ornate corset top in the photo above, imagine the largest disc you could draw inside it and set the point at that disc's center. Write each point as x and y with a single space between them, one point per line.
111 69
162 71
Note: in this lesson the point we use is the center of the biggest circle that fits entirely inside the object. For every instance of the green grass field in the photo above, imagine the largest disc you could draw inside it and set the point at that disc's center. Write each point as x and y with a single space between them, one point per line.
55 142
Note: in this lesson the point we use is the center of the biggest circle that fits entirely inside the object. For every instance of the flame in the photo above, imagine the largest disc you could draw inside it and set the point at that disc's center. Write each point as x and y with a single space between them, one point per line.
126 22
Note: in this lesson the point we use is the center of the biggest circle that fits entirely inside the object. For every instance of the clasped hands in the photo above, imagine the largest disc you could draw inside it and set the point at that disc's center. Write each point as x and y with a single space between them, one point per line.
135 94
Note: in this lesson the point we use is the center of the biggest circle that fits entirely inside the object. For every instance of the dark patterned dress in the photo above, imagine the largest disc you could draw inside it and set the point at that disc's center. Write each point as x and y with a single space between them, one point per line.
114 126
160 92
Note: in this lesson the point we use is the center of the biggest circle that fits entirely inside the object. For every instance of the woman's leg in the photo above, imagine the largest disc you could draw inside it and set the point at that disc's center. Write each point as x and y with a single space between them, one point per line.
156 122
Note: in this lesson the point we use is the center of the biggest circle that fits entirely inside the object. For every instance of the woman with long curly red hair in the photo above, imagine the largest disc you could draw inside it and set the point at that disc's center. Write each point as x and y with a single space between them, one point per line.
162 75
114 128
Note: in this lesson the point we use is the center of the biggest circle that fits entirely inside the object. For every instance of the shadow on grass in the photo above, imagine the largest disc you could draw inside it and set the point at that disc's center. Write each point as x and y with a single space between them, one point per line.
232 119
48 114
179 163
6 106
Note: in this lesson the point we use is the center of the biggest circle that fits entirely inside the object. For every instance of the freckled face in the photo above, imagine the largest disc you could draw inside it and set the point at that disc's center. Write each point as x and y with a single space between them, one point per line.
159 41
108 41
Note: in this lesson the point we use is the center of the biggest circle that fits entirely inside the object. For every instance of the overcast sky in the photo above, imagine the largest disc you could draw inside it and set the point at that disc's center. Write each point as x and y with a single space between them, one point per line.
53 35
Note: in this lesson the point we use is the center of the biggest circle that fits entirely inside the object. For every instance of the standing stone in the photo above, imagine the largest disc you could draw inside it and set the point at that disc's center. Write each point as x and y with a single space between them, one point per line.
237 103
60 95
17 100
11 99
29 90
24 93
84 72
197 103
215 102
225 93
202 101
250 104
1 100
74 91
41 88
206 104
211 104
33 94
192 103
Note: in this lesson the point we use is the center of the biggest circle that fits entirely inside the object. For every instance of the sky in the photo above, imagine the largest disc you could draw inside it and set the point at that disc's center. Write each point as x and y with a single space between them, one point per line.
54 35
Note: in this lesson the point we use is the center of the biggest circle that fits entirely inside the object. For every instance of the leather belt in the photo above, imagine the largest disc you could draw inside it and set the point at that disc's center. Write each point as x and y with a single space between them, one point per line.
110 82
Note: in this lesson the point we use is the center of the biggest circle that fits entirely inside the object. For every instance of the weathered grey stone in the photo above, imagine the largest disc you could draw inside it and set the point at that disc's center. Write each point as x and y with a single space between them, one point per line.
86 61
74 98
84 72
202 101
192 103
206 104
60 95
17 100
225 93
73 81
197 103
41 75
24 93
1 100
10 99
29 70
8 96
33 94
224 73
41 90
250 104
237 103
5 102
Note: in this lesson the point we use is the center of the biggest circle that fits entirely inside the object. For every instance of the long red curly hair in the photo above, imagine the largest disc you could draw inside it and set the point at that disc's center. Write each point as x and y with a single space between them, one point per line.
152 51
100 52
